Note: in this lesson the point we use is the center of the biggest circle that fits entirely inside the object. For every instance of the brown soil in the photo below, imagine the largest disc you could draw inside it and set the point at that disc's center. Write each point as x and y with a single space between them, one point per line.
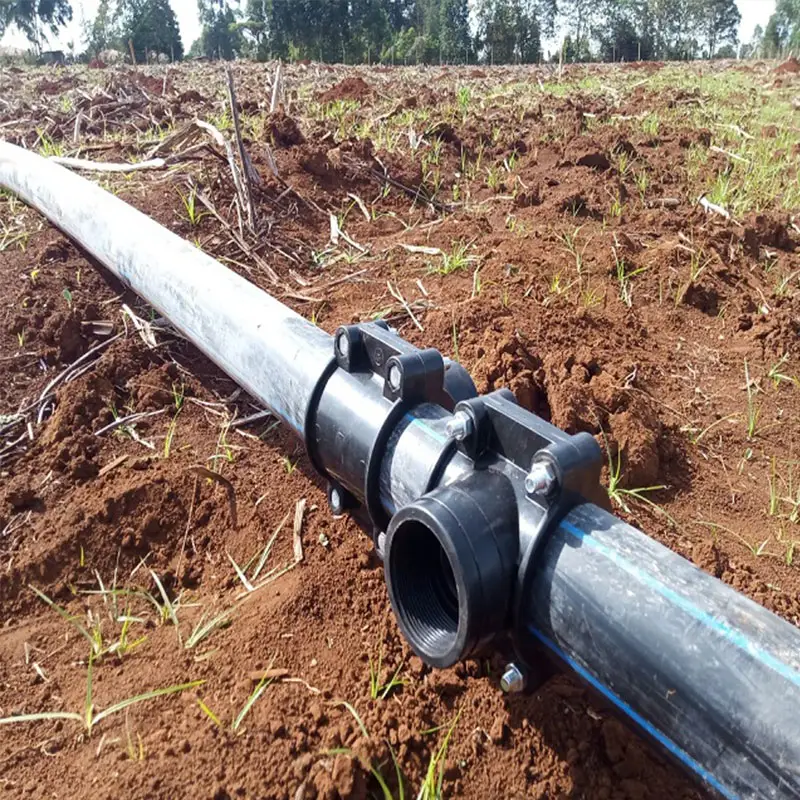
660 378
789 67
354 88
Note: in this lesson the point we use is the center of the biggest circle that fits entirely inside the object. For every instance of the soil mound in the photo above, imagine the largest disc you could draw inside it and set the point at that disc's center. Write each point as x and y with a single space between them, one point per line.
285 131
789 67
355 88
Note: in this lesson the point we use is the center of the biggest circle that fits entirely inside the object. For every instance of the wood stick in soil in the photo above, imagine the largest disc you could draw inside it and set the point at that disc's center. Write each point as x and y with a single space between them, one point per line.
248 189
238 239
297 539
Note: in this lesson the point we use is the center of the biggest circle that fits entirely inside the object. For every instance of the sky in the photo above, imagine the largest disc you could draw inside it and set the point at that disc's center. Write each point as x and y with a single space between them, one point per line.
185 11
754 12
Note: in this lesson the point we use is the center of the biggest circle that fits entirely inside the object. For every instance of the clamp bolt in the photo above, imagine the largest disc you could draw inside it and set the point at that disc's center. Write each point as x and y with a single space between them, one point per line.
513 680
395 378
542 479
336 502
460 426
343 344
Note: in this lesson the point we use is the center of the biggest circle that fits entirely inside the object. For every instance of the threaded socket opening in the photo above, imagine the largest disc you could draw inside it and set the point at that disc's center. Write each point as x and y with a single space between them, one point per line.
424 589
449 563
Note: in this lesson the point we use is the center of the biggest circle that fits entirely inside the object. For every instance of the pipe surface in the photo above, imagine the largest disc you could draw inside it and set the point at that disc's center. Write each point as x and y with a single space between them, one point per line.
262 344
706 673
711 676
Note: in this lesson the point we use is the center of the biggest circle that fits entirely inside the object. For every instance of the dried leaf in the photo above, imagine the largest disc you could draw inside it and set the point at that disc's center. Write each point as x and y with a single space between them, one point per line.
418 248
143 328
360 203
268 674
112 465
298 526
334 229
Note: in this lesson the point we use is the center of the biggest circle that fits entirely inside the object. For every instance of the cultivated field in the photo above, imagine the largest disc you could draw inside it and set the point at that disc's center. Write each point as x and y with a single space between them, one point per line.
543 229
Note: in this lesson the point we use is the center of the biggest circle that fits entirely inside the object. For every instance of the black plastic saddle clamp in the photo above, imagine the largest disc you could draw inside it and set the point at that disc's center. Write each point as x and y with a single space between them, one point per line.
410 376
459 560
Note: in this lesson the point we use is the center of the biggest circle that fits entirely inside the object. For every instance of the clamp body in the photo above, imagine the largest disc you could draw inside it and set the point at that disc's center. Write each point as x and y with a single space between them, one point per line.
459 490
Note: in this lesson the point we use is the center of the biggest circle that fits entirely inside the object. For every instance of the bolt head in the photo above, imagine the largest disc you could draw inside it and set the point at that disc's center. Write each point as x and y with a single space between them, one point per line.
380 544
513 679
542 479
395 377
336 501
460 426
343 344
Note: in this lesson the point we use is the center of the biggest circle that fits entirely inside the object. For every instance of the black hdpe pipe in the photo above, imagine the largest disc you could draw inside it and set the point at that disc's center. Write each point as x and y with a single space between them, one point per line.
491 522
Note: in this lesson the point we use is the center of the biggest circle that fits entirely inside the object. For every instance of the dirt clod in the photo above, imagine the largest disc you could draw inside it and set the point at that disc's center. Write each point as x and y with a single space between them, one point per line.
352 88
285 130
789 67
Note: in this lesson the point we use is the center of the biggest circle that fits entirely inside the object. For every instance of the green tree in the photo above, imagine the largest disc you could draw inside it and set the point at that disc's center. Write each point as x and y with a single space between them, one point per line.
401 48
101 33
399 13
668 29
616 35
774 38
509 31
545 13
726 51
624 30
783 29
428 27
254 27
301 28
454 27
369 29
495 30
336 30
754 48
662 29
527 20
220 36
579 16
718 21
667 21
195 50
31 16
151 27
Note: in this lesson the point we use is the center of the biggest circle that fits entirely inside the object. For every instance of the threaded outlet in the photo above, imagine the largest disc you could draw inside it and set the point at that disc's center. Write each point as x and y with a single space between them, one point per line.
424 588
449 559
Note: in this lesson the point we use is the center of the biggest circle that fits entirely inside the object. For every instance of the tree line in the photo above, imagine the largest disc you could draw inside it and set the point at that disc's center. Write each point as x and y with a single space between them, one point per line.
481 32
140 27
421 31
781 34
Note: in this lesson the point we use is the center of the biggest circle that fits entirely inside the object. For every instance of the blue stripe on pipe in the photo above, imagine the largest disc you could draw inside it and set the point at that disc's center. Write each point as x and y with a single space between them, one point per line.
734 636
666 742
427 428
